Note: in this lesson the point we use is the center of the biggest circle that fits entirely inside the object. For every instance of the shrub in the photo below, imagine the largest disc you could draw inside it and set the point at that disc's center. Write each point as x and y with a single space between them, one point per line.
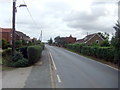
42 45
23 50
34 53
18 43
105 43
18 61
106 53
6 56
4 44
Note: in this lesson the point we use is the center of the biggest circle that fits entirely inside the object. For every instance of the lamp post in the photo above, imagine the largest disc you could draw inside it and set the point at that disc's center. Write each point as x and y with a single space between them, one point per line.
13 25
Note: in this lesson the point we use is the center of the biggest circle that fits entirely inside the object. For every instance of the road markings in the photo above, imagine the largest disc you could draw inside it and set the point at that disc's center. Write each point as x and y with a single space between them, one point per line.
58 77
53 61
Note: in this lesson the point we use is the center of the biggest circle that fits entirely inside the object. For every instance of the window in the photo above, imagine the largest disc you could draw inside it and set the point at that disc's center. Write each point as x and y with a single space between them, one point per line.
97 41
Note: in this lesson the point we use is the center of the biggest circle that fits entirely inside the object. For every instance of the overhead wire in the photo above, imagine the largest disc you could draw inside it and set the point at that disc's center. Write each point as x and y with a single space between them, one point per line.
32 19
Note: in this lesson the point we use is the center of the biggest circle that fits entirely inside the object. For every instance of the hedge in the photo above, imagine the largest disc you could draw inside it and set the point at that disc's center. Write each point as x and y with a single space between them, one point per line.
106 53
34 53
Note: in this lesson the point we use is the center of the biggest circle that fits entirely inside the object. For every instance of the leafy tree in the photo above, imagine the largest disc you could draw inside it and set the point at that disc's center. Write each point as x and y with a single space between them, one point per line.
105 43
59 41
117 42
113 41
4 44
50 41
18 43
117 35
104 35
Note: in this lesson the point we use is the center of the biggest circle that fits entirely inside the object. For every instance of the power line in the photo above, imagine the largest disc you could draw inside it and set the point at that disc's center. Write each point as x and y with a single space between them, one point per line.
29 13
32 18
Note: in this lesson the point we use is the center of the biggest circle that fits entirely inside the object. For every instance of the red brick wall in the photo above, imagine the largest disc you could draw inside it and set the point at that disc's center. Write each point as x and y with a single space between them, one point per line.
6 36
70 40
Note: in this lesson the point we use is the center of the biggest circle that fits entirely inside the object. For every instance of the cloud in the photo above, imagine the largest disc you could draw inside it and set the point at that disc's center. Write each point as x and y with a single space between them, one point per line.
98 18
61 17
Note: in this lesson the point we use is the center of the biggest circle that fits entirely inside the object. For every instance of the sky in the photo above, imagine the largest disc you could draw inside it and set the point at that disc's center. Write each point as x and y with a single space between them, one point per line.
61 17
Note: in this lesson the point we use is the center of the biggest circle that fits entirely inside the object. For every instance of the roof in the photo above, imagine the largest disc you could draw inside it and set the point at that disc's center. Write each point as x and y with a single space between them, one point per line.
88 38
5 29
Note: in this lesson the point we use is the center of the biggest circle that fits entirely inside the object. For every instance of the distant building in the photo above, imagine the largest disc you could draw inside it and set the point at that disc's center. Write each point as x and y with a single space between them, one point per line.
22 36
70 39
90 39
34 40
6 34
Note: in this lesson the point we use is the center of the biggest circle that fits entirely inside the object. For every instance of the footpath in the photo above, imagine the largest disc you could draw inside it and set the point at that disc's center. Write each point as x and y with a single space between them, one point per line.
36 76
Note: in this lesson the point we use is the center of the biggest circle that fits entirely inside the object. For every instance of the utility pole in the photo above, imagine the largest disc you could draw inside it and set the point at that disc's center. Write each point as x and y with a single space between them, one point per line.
41 36
13 27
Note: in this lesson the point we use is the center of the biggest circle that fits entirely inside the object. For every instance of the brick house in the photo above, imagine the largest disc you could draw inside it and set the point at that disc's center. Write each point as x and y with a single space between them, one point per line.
70 39
6 34
91 39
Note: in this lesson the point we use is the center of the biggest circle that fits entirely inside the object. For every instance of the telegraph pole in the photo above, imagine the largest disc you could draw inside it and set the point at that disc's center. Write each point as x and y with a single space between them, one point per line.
41 36
13 27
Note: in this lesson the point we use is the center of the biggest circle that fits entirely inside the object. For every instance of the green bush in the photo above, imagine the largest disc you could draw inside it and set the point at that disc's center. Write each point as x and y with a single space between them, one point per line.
106 53
42 45
105 43
34 53
6 56
18 43
18 61
23 50
4 44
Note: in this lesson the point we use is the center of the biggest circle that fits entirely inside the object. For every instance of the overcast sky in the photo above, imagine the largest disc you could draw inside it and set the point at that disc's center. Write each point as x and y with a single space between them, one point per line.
61 17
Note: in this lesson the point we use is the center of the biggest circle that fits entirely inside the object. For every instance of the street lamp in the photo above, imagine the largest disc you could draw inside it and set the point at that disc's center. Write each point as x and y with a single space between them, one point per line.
13 25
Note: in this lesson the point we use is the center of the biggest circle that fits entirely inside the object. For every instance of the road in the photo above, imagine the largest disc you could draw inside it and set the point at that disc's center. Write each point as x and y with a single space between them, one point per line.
75 71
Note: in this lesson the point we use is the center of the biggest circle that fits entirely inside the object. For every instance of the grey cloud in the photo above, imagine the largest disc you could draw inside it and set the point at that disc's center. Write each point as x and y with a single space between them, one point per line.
90 21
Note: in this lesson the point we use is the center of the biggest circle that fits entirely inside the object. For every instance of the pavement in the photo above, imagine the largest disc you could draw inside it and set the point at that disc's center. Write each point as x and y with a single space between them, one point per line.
40 74
75 71
36 76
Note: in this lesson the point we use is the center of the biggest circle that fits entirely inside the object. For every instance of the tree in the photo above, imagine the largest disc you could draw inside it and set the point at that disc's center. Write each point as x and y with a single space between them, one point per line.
50 41
105 43
18 43
117 42
60 41
104 35
117 35
4 44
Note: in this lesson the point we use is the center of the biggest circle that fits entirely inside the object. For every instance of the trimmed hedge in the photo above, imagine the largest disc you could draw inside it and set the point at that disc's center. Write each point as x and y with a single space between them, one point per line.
34 53
23 57
106 53
23 50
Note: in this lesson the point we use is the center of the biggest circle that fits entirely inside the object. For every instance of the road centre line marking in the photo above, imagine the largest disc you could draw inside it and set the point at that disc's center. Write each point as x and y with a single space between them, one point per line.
53 61
59 80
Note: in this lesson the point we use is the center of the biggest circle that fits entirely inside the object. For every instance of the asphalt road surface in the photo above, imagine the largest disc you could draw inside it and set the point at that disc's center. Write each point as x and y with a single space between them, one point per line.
75 71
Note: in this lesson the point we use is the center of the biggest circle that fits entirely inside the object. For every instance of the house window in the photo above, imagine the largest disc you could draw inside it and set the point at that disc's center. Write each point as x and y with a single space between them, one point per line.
97 41
11 34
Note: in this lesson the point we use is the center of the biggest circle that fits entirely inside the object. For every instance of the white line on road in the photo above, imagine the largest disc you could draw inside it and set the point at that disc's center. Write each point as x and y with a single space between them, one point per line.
53 61
107 65
59 80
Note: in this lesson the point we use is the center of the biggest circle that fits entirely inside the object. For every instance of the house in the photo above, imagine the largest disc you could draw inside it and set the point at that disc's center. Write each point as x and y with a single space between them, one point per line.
6 34
22 36
91 39
61 41
70 39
